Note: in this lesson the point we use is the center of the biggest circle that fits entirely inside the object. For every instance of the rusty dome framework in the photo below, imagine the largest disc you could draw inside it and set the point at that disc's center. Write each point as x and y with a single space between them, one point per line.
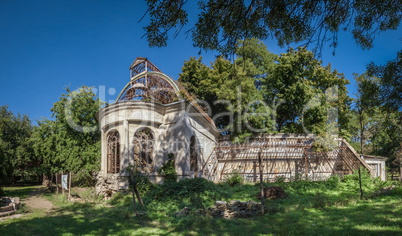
148 83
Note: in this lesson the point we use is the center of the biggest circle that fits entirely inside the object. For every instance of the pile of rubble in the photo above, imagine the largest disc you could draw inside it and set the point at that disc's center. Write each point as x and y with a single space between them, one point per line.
273 192
234 209
106 186
9 206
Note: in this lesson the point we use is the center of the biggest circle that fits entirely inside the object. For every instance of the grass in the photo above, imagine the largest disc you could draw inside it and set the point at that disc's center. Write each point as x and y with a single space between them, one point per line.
20 191
312 208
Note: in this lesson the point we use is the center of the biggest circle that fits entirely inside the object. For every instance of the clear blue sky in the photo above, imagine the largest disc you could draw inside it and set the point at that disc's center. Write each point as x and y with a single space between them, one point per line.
48 44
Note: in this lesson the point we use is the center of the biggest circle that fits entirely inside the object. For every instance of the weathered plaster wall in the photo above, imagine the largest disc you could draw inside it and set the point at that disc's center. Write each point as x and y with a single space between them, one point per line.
172 125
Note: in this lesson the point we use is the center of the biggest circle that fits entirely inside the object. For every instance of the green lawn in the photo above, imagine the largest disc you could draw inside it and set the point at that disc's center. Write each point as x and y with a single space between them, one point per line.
320 208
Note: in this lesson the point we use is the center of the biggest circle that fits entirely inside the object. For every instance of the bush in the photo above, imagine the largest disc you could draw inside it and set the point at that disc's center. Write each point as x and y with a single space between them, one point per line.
320 201
234 179
168 169
333 181
197 192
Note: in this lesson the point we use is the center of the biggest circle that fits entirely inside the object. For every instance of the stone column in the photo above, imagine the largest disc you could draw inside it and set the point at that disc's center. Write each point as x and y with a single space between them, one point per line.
126 154
103 154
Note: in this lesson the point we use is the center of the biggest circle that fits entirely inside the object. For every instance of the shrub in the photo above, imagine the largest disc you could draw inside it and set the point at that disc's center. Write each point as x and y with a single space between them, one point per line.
197 192
234 179
333 181
168 169
320 201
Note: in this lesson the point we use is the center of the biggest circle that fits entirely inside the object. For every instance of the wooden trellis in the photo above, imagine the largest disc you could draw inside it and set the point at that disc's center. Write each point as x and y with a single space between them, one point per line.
283 156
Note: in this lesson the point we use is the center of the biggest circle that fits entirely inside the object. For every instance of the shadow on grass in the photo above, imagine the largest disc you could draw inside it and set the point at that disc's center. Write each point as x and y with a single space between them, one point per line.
366 218
81 219
20 191
296 215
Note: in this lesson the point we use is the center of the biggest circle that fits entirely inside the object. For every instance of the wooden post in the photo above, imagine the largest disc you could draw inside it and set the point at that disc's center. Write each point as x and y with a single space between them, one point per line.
261 184
69 186
360 184
254 171
57 183
62 189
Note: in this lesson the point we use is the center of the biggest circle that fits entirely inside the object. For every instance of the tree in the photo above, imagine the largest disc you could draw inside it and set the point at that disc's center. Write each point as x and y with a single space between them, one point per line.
16 155
391 81
199 81
390 98
72 141
6 118
264 93
367 110
221 23
303 92
45 144
231 91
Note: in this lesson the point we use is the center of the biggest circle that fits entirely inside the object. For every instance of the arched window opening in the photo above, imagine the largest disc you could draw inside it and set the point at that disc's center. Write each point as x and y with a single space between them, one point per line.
113 152
193 155
143 150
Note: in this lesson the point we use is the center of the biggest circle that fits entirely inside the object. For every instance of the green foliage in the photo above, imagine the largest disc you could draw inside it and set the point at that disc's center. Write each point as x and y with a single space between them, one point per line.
228 91
168 169
220 24
390 86
264 93
17 158
234 179
303 92
320 201
196 192
141 180
312 208
71 142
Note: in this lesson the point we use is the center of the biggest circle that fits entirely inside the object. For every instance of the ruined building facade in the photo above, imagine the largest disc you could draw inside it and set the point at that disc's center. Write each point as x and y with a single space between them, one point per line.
153 117
149 120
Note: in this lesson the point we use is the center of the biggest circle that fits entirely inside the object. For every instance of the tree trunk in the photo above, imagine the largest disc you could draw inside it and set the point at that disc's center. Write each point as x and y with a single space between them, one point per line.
136 194
400 173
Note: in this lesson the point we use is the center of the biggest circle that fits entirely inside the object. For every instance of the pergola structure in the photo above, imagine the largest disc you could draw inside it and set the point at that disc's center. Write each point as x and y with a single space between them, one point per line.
286 156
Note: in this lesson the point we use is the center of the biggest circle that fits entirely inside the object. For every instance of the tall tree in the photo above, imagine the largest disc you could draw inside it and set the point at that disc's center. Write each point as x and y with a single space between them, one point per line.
367 110
16 155
72 141
232 90
391 81
221 23
302 92
390 97
262 92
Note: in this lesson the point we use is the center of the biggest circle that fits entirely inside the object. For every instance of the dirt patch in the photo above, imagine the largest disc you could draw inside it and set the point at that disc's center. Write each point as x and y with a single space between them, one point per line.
36 201
11 217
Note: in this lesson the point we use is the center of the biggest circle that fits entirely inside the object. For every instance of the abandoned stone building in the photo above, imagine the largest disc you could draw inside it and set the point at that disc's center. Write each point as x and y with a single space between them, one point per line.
153 116
149 120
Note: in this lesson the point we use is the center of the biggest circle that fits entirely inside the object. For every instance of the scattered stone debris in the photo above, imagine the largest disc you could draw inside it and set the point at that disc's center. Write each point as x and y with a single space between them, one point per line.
76 198
234 209
9 206
106 186
184 212
273 192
